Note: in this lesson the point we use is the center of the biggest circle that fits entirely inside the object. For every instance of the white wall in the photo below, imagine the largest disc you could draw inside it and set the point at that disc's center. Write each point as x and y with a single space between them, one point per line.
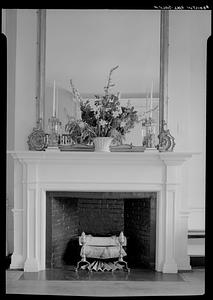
188 35
25 91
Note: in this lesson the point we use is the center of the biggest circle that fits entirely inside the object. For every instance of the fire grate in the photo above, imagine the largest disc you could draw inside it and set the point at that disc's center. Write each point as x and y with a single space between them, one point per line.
99 265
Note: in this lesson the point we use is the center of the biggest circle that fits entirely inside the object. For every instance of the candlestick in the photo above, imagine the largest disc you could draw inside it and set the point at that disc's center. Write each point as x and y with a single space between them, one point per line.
54 112
146 102
151 96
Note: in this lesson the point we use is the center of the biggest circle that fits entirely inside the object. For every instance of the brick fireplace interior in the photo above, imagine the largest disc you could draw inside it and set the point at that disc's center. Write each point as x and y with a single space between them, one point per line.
68 214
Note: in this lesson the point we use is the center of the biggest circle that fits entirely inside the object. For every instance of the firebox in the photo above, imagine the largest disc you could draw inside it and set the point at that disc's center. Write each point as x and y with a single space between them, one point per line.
68 214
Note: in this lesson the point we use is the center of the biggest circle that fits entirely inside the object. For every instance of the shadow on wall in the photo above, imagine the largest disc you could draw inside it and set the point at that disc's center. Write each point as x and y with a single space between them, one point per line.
71 254
8 261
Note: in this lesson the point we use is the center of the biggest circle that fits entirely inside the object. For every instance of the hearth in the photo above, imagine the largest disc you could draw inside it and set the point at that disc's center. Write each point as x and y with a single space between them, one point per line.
68 214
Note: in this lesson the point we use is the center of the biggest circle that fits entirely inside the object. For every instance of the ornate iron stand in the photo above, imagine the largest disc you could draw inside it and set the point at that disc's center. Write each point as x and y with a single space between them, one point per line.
120 260
83 261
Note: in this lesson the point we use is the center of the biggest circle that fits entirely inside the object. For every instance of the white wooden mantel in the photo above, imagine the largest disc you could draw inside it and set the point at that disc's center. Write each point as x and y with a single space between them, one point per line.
35 173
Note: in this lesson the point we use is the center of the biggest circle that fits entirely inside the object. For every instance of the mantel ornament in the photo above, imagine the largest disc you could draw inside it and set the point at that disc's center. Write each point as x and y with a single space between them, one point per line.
54 126
166 140
37 139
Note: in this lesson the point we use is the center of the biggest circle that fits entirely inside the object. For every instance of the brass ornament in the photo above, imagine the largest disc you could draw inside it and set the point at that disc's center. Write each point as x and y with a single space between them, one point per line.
166 140
37 140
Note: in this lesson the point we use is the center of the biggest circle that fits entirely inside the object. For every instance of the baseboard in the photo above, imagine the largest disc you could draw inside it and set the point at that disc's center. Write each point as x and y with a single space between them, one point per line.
8 261
197 261
193 234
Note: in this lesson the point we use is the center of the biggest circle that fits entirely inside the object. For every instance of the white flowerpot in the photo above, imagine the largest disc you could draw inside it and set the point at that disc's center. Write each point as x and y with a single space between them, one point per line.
102 144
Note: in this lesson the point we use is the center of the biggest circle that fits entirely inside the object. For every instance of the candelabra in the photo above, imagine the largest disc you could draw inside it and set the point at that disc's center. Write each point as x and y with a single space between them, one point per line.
148 132
54 128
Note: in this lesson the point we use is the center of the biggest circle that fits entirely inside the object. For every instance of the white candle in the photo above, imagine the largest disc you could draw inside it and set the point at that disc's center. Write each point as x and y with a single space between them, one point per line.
54 112
151 99
146 101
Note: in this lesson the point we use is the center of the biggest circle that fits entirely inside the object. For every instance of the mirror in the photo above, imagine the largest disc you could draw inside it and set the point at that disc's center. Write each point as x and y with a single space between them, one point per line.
83 45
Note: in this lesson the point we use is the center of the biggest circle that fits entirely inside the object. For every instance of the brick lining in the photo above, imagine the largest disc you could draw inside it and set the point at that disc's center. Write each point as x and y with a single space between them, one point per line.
100 214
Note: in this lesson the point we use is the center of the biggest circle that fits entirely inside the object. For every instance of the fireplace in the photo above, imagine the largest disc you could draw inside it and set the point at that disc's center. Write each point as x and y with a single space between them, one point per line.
37 173
68 214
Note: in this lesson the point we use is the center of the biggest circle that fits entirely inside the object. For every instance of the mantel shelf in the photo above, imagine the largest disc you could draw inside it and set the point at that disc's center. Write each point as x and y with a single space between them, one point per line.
103 157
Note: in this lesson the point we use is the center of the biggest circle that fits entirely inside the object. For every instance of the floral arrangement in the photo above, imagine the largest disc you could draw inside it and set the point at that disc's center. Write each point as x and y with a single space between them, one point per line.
79 131
102 117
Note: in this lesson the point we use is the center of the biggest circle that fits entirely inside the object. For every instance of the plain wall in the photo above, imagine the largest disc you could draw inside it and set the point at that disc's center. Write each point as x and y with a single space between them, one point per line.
188 34
25 88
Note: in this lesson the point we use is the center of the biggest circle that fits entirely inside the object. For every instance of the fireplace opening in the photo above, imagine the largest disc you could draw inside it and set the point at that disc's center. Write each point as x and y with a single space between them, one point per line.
68 214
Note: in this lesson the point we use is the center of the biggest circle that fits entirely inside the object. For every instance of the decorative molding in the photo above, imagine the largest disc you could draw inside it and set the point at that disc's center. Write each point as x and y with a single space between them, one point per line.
175 158
41 54
36 140
95 158
166 140
184 213
17 210
164 57
196 209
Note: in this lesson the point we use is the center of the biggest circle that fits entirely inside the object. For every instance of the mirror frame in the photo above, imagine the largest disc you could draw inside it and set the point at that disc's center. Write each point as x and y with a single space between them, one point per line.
40 68
163 79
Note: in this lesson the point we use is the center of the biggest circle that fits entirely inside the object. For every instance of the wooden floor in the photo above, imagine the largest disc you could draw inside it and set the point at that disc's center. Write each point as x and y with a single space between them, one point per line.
145 283
83 275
